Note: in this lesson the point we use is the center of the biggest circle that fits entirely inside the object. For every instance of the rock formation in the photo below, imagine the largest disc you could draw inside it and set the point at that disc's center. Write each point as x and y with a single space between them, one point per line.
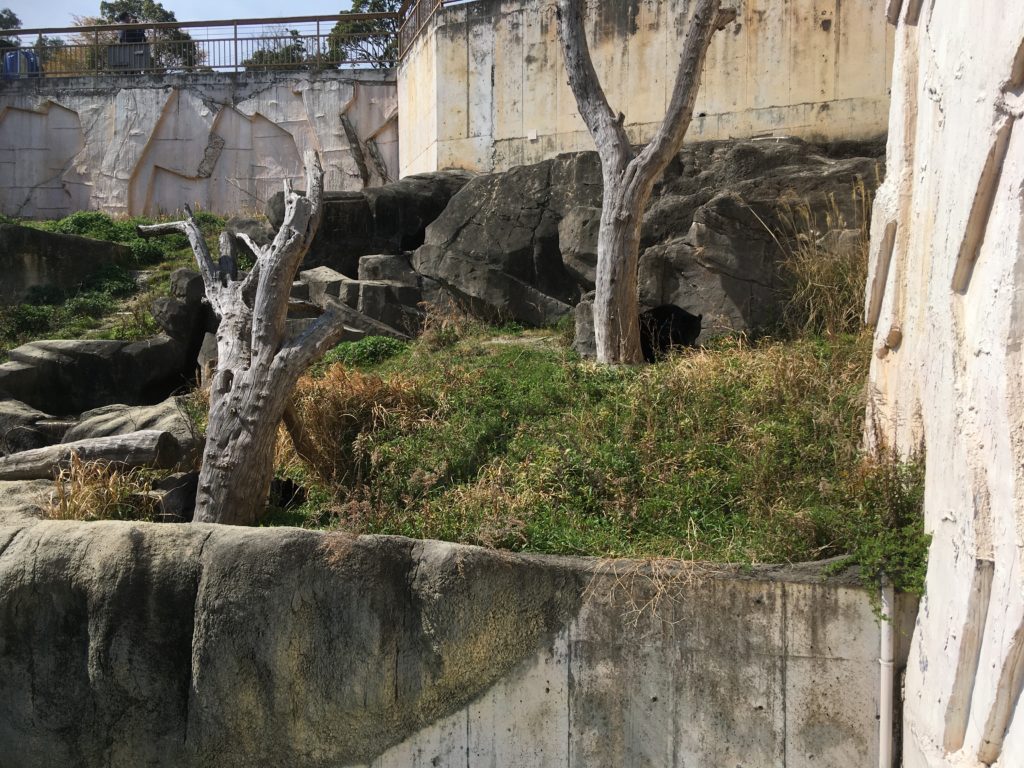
521 245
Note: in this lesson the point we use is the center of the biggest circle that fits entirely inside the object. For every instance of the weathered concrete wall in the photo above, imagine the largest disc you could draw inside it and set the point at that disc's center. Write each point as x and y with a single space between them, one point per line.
946 293
30 258
140 644
222 142
484 87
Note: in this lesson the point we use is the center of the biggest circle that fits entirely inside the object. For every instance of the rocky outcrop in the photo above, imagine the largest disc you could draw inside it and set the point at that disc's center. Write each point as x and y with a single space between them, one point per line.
70 376
19 430
498 244
522 245
380 220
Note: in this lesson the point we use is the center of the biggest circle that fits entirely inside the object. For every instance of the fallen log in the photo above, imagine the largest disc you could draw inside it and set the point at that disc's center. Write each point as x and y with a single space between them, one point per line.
145 448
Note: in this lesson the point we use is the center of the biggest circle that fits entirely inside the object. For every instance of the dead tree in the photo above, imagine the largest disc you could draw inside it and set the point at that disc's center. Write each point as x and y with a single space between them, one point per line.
629 177
258 362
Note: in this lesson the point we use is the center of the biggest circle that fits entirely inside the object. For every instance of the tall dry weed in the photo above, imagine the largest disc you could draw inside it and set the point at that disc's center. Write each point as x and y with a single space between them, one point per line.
825 263
96 490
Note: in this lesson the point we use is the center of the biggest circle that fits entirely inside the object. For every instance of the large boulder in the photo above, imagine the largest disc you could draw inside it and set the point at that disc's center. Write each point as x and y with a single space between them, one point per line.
388 219
186 316
169 416
497 246
522 245
68 376
19 430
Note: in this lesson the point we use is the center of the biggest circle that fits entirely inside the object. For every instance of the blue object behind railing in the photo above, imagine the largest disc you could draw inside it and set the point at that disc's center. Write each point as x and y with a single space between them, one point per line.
21 63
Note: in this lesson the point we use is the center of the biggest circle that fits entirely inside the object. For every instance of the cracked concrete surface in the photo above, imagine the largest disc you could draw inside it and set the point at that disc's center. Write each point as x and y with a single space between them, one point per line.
148 145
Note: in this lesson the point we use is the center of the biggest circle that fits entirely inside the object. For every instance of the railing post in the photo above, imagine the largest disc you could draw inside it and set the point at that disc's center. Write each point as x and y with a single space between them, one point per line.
318 45
236 46
96 48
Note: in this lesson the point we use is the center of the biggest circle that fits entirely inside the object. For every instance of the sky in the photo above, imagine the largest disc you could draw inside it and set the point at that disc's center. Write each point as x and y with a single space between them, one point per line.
59 13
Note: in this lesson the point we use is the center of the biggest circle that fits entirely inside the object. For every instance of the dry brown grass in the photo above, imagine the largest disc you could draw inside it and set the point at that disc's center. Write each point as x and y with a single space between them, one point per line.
95 490
651 587
339 410
446 323
825 263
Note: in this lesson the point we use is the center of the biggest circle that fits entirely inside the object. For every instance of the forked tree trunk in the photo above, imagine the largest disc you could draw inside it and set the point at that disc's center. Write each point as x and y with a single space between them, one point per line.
629 178
258 363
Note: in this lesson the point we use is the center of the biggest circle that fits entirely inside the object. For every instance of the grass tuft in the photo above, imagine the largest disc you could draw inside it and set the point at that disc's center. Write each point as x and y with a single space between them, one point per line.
94 490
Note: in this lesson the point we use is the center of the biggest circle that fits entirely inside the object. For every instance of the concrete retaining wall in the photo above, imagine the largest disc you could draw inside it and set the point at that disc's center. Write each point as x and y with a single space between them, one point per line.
221 142
946 294
484 87
30 258
188 645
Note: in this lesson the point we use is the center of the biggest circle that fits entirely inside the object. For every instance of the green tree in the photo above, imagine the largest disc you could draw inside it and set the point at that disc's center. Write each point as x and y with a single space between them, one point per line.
366 41
9 20
172 48
285 52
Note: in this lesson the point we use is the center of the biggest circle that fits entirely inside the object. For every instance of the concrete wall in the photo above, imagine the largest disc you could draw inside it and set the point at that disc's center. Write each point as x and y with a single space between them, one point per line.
222 142
194 645
484 88
31 258
946 293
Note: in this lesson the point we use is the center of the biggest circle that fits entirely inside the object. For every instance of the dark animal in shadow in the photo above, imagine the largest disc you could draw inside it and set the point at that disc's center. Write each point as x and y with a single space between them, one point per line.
666 327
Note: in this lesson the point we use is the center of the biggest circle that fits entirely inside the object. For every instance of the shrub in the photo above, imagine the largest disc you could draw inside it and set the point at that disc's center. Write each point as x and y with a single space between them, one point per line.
338 412
447 323
365 352
886 531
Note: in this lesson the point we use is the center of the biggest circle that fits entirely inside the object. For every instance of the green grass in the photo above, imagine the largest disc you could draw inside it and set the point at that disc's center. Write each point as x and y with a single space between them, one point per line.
109 304
742 452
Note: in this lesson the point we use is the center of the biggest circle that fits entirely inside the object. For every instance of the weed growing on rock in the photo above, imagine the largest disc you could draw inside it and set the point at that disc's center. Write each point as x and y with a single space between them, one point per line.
887 538
825 264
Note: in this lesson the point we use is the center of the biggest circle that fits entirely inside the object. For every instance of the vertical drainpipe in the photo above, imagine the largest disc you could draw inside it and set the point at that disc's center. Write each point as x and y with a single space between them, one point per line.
887 645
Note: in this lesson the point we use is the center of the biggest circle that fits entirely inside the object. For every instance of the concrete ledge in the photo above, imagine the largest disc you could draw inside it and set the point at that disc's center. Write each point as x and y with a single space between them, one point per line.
189 645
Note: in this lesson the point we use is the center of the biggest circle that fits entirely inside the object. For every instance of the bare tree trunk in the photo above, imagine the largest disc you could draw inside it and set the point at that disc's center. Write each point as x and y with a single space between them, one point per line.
629 178
258 364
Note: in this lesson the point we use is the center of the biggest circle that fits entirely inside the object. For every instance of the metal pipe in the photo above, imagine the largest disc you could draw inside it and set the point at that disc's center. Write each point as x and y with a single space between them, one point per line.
886 660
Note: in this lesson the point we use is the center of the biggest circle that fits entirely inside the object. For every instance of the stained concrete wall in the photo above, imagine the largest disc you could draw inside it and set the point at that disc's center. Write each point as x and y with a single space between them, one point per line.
946 294
222 142
30 258
484 87
128 644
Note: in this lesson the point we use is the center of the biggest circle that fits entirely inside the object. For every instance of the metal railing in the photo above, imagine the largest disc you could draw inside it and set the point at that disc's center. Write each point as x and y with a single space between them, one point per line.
233 45
414 16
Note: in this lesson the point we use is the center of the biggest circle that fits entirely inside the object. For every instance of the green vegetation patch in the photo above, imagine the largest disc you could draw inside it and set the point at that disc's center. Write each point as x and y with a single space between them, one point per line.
742 452
110 304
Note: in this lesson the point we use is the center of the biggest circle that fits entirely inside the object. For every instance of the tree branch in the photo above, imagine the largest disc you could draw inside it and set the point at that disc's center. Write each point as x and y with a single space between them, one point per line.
190 229
707 19
608 132
310 345
257 250
278 266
